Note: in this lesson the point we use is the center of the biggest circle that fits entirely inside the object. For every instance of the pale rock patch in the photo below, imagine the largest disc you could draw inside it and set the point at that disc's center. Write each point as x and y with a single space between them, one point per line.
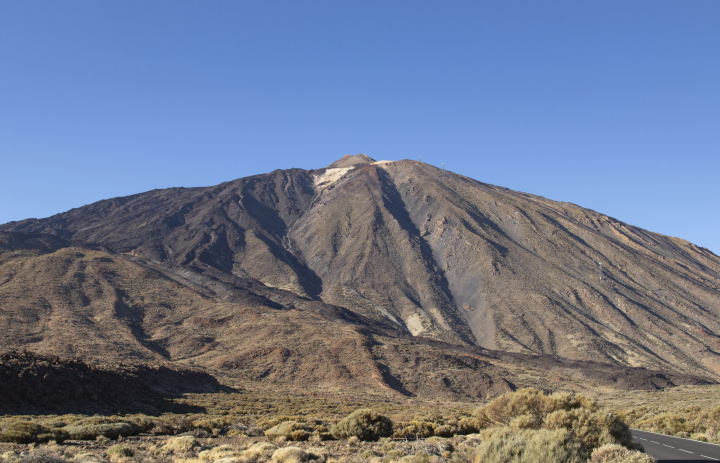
330 176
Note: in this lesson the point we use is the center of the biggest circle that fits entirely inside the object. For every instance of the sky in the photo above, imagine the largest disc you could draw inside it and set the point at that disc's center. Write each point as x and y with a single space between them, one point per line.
613 105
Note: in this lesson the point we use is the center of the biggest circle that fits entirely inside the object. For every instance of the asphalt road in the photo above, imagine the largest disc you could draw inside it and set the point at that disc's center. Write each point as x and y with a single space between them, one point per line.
668 449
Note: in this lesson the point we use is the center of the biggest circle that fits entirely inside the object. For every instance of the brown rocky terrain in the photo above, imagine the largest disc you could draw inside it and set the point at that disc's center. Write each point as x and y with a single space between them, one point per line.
392 276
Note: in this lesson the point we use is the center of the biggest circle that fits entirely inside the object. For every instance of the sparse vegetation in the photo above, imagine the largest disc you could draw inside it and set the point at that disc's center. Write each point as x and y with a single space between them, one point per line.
153 314
27 432
289 430
119 451
686 411
251 426
93 431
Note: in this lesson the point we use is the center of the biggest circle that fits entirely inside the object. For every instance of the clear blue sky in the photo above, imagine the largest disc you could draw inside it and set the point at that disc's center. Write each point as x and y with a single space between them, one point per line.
613 105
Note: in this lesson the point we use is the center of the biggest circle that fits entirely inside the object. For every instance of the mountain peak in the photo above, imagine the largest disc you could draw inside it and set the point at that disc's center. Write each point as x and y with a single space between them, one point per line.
350 160
392 252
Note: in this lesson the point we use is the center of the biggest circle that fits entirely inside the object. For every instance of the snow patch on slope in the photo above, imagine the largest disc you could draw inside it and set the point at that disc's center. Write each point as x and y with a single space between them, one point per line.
330 176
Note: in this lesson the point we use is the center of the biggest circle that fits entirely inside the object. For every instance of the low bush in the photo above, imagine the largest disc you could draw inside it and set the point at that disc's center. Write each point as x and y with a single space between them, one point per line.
529 409
86 457
267 423
364 424
172 425
613 453
504 445
225 453
143 423
444 431
368 454
415 429
43 455
118 453
93 431
254 431
290 455
290 430
211 425
263 447
179 445
218 453
27 432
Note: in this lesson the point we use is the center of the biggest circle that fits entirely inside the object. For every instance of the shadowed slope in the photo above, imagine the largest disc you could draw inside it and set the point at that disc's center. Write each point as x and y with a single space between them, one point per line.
357 237
33 383
112 309
528 269
408 247
238 227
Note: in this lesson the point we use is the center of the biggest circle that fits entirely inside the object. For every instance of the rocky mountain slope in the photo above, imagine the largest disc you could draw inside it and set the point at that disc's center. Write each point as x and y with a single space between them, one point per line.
349 259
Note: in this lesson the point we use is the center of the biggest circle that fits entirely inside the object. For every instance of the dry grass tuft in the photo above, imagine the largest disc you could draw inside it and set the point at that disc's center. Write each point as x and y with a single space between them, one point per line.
179 445
290 455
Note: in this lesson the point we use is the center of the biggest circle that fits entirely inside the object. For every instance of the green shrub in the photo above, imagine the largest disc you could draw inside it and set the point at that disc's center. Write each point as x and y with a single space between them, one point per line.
591 428
54 424
530 409
143 423
613 453
268 423
530 406
505 445
109 430
414 429
299 435
210 425
27 432
364 424
290 430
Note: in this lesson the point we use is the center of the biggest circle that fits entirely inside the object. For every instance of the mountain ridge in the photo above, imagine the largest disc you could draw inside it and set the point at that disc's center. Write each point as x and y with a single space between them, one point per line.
424 252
